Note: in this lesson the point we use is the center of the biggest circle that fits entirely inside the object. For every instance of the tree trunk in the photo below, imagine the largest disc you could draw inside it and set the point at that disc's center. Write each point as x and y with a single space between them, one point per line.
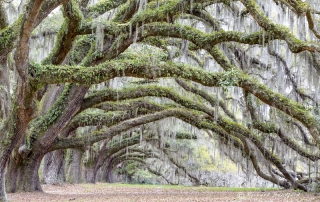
54 168
28 179
109 175
98 174
89 175
3 195
97 170
12 175
74 174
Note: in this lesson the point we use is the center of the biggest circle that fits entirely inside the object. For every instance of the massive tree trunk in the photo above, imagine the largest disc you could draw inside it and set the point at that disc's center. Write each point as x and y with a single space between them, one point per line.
28 180
54 168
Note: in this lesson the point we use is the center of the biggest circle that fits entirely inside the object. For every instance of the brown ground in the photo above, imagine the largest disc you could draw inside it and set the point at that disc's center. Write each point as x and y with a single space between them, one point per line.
124 193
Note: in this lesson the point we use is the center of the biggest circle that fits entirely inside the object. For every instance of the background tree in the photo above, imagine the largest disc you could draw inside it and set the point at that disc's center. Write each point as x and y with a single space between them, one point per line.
246 71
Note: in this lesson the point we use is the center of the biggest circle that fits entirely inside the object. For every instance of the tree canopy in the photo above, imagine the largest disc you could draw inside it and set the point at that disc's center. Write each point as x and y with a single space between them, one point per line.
244 72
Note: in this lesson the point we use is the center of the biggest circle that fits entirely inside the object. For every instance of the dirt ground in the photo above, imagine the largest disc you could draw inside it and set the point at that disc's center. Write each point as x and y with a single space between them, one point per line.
118 193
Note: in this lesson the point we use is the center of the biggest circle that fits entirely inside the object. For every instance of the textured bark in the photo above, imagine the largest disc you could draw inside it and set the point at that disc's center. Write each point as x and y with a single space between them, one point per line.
108 174
99 175
28 180
3 195
88 175
14 171
74 173
54 168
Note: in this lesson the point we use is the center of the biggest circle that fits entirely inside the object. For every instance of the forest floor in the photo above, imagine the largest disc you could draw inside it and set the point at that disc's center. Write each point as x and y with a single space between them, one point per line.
151 193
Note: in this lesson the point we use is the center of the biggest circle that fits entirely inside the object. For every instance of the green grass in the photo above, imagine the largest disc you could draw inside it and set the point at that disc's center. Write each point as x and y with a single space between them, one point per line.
180 187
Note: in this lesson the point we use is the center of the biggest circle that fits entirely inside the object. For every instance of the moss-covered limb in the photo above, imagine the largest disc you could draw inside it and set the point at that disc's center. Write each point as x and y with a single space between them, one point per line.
27 25
52 74
204 16
253 158
186 115
118 148
197 120
297 6
112 131
132 9
264 127
130 153
130 105
157 42
311 24
109 149
155 172
185 136
94 119
166 12
80 49
110 28
46 128
292 108
106 71
114 147
243 133
123 112
142 69
9 35
127 10
67 33
206 96
303 133
204 40
316 62
101 8
42 124
284 33
243 147
46 9
271 128
143 91
193 178
300 8
303 95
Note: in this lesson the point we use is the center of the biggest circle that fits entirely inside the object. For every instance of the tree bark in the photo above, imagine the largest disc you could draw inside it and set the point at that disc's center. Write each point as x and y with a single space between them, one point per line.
74 173
54 168
12 175
3 195
108 174
28 180
89 175
98 175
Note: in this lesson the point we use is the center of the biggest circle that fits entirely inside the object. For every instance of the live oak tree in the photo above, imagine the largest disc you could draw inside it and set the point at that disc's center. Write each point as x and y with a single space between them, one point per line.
246 71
